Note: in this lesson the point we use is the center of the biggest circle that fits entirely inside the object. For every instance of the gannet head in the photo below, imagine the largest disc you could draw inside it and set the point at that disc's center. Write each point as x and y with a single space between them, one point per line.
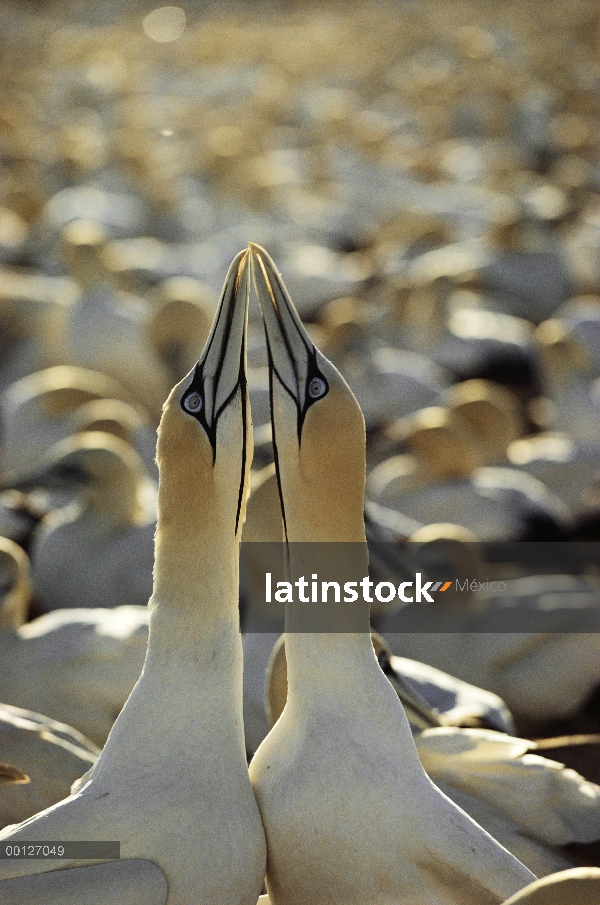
180 322
83 244
318 427
104 470
110 416
204 448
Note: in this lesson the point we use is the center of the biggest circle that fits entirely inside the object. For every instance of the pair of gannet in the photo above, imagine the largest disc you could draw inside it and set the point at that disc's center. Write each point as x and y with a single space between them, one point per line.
172 783
348 811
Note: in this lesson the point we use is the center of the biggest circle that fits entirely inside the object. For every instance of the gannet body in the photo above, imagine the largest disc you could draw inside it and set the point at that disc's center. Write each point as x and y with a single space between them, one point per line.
570 469
52 754
98 550
508 663
567 372
77 666
180 322
172 783
113 416
349 813
395 382
530 804
105 329
440 482
36 412
31 308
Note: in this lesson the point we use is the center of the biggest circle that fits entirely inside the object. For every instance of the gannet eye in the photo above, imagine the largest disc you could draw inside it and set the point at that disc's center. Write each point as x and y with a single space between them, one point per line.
317 388
193 403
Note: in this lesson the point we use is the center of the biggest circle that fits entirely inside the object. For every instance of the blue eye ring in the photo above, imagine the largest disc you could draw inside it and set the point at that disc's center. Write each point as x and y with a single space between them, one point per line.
317 388
193 403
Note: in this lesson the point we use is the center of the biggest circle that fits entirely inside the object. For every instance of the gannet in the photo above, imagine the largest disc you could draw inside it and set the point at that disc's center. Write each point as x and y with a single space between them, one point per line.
113 416
171 783
105 329
349 813
31 308
77 666
52 754
180 322
569 468
98 550
15 586
567 371
507 663
530 804
439 482
489 413
35 411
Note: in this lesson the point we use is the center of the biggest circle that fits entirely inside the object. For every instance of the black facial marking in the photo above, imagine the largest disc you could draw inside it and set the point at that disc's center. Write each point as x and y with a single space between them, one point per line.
194 402
316 386
274 443
196 388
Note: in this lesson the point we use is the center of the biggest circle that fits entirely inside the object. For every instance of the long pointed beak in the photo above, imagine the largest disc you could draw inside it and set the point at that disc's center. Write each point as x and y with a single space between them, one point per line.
223 359
291 353
221 369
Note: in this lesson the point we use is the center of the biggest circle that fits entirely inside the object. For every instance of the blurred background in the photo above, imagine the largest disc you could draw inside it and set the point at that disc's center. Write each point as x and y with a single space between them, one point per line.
426 175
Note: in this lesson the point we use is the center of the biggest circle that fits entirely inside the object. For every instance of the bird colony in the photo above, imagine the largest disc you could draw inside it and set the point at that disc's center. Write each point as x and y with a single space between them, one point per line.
286 293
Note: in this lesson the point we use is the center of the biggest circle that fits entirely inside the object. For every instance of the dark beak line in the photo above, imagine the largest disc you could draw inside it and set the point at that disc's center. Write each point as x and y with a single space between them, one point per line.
221 370
228 307
276 328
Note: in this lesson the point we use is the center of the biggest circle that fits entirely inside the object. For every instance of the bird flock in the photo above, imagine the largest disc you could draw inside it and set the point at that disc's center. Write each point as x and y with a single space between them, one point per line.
416 407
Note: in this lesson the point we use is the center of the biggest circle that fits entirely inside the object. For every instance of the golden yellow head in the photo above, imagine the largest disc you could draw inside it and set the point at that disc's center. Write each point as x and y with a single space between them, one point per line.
318 427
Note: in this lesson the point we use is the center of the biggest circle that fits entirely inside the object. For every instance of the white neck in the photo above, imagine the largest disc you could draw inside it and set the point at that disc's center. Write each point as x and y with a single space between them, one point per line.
329 662
190 690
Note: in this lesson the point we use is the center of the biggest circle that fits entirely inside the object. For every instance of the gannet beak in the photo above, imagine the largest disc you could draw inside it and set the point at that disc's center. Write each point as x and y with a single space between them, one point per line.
293 358
221 370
